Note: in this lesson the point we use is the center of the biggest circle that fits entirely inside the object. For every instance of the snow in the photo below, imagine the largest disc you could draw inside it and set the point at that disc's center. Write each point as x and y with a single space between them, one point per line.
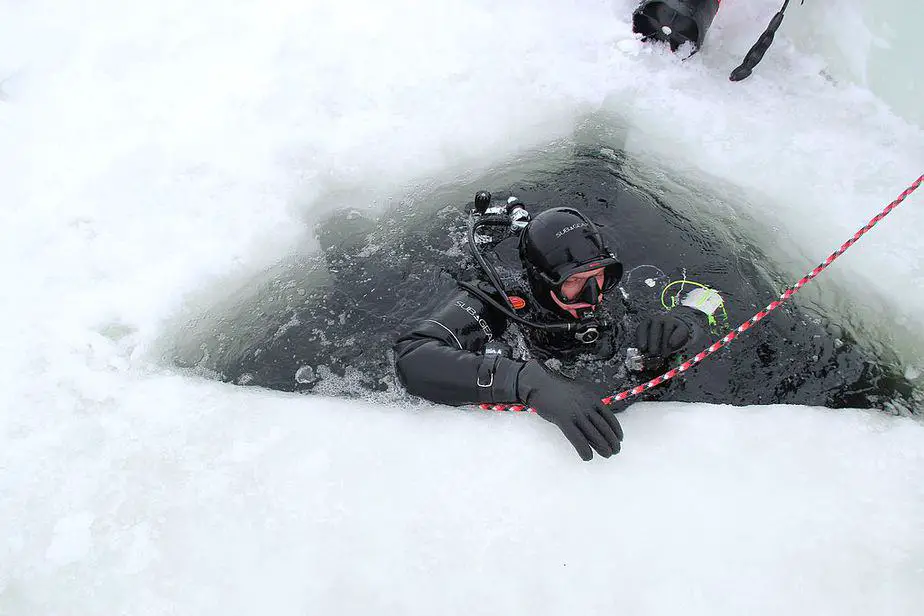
149 151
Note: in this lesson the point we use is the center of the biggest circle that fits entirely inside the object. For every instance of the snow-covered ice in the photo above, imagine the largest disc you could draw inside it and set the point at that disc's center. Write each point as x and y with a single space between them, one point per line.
150 150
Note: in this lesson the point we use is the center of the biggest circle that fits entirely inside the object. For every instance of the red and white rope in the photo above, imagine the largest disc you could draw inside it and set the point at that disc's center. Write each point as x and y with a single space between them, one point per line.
747 324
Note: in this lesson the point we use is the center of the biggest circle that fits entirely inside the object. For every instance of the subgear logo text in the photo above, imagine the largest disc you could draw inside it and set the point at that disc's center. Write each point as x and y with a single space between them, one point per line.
474 314
577 225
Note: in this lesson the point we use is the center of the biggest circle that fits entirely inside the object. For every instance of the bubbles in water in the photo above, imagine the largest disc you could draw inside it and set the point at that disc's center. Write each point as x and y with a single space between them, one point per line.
305 375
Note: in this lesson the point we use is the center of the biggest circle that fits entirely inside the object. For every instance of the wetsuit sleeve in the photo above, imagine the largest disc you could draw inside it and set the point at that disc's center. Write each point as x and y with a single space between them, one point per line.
442 358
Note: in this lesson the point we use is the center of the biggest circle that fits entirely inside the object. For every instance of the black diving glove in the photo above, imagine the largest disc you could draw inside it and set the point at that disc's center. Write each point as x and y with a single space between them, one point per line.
574 407
660 336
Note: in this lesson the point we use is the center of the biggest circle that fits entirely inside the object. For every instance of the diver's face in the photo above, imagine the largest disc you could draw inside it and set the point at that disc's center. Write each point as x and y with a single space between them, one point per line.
572 287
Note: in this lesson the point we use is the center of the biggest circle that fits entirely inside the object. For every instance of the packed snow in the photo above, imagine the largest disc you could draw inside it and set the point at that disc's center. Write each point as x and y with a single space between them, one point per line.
149 151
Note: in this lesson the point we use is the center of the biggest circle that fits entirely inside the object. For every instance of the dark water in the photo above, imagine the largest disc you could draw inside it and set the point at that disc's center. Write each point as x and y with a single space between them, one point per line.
326 323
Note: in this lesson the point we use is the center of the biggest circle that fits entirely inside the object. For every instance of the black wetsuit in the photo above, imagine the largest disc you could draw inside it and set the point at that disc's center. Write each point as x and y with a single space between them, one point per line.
443 357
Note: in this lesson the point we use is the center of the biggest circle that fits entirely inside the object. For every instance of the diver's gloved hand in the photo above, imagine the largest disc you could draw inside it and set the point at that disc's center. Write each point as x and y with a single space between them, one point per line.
572 406
660 336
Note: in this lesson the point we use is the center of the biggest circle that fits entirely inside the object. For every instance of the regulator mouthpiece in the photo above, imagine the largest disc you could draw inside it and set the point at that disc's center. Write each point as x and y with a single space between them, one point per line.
588 335
590 330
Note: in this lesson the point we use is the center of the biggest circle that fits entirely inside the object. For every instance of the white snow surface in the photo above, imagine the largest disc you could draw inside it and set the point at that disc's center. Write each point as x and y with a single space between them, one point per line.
149 150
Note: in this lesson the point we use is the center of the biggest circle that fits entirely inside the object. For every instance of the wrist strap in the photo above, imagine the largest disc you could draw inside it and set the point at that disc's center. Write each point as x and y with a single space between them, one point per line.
485 380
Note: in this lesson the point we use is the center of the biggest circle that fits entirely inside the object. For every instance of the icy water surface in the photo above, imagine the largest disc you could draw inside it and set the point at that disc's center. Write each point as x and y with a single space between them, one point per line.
325 323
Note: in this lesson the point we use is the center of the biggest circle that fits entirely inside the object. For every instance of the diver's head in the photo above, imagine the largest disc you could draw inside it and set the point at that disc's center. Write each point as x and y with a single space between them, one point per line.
568 265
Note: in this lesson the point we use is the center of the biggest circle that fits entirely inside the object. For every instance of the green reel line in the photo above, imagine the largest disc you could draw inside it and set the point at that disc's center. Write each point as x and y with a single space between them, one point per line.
708 301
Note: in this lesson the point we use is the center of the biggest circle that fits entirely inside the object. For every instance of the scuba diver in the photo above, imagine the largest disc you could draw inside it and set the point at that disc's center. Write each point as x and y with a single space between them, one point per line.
460 354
